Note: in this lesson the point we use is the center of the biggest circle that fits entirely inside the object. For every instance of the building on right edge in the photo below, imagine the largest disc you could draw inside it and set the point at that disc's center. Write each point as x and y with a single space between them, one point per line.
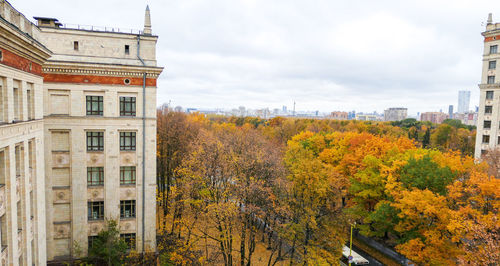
488 122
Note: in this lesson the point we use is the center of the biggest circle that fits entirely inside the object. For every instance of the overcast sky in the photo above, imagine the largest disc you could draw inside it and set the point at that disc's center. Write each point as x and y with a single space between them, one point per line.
324 54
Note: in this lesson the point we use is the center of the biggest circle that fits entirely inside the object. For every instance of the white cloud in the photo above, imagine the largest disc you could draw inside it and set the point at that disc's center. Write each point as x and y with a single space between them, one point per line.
326 55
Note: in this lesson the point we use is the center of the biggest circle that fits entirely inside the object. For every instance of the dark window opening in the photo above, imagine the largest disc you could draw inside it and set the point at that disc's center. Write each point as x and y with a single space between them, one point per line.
75 45
127 141
94 105
493 49
91 241
129 240
127 208
96 210
489 95
127 49
127 175
488 109
95 176
486 139
95 141
491 79
487 125
492 65
127 106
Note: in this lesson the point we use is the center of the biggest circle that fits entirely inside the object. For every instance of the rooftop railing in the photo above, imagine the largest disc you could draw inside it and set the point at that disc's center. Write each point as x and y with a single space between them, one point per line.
100 28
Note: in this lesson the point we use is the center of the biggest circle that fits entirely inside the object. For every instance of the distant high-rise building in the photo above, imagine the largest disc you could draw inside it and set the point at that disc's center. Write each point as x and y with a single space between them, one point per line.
395 114
337 115
351 115
488 121
450 111
434 117
463 101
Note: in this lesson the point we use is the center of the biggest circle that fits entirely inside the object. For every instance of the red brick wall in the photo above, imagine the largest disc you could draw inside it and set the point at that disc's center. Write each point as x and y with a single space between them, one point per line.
492 38
90 79
13 60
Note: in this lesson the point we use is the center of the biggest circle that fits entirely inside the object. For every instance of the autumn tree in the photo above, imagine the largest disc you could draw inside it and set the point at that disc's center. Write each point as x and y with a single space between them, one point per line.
317 224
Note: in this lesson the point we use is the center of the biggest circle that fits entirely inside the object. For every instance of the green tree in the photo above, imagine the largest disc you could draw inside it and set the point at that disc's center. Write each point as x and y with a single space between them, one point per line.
426 174
427 138
108 248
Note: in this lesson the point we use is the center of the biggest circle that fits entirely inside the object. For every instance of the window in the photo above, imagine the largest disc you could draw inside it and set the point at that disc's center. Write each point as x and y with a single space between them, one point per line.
75 45
96 210
487 125
127 49
95 176
95 141
127 106
489 95
127 175
1 55
91 241
493 49
486 139
17 104
492 65
127 141
498 139
484 152
127 208
94 105
488 109
491 79
129 240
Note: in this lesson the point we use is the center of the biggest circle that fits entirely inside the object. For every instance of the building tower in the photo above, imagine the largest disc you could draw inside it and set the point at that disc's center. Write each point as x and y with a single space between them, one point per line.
100 135
463 102
22 198
450 112
489 102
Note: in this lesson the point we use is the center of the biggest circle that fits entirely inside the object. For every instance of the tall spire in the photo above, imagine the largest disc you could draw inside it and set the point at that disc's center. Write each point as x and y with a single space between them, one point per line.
147 22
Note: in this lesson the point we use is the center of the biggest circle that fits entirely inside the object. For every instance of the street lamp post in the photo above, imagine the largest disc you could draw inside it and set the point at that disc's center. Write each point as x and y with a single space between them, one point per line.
350 246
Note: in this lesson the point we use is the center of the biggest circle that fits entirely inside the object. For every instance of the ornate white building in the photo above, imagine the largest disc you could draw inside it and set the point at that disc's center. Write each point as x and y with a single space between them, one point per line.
488 122
77 136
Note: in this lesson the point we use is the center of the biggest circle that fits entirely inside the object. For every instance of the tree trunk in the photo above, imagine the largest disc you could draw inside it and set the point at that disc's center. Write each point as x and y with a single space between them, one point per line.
243 240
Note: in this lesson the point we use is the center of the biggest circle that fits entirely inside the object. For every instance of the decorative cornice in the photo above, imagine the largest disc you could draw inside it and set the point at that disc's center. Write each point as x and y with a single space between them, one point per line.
70 68
22 44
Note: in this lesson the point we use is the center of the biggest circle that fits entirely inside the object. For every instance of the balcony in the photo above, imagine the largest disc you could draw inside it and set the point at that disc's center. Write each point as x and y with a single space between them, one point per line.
20 239
32 226
31 173
4 255
18 188
3 200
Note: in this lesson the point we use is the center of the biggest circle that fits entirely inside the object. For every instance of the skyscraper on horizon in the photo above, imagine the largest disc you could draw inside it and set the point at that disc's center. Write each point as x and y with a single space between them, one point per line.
463 101
450 112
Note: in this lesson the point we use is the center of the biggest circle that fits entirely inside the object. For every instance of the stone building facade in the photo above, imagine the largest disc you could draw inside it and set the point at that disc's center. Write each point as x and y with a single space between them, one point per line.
77 136
488 121
395 114
22 197
338 115
434 117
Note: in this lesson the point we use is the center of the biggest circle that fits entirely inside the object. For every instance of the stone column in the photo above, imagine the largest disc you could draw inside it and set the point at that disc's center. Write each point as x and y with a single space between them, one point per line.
11 210
9 93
